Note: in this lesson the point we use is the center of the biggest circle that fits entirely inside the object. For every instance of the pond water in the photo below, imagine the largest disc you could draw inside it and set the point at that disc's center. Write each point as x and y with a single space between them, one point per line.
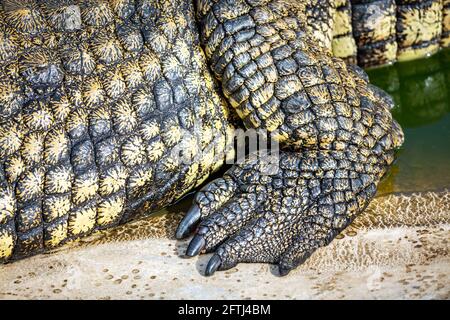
421 90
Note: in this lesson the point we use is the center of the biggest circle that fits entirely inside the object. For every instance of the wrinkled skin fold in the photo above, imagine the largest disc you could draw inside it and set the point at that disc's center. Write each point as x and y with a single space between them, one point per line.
97 97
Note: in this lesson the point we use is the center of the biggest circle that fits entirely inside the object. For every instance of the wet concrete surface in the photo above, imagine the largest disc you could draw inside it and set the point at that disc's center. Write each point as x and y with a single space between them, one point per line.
397 249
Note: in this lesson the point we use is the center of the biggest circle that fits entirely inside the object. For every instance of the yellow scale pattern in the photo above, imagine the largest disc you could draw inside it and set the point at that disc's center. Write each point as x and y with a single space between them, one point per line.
344 45
419 28
377 32
97 97
94 97
389 30
445 38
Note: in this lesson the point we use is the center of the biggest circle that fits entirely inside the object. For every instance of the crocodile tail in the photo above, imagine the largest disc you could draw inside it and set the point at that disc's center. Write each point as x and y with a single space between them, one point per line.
445 38
343 44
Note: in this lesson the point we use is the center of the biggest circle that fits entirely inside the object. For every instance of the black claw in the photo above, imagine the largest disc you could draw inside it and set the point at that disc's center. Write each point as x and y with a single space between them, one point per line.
283 270
213 264
186 225
196 245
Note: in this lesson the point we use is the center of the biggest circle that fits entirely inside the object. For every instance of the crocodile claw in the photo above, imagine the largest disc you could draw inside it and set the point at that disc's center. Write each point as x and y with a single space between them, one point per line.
262 223
195 246
213 264
186 225
283 271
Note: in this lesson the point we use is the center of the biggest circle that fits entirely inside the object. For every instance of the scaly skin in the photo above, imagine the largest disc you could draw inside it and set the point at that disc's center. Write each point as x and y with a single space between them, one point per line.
343 44
343 136
95 102
389 30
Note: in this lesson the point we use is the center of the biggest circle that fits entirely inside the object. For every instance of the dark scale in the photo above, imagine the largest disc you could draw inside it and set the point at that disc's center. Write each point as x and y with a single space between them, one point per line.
94 95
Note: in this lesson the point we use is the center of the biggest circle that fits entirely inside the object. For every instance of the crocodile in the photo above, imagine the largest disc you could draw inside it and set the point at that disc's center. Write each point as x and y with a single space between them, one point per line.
377 32
111 109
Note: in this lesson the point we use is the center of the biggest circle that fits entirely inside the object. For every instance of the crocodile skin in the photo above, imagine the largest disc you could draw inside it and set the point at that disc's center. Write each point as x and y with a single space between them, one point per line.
419 27
389 30
99 98
279 78
319 21
445 38
343 44
374 29
96 98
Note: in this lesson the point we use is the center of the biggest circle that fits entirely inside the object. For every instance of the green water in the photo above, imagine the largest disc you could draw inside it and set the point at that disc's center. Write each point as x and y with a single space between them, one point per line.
421 90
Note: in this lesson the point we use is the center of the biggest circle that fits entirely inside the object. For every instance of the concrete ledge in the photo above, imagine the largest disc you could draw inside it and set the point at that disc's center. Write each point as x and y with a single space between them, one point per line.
398 249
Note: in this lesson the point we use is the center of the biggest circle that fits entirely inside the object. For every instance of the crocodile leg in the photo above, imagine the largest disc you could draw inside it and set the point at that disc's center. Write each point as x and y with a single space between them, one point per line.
337 126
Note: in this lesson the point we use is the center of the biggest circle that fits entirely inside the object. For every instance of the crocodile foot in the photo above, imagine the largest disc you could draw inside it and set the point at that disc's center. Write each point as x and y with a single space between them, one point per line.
277 209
